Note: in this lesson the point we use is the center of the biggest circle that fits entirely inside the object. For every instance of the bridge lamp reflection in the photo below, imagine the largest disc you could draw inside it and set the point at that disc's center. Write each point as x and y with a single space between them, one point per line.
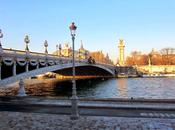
74 99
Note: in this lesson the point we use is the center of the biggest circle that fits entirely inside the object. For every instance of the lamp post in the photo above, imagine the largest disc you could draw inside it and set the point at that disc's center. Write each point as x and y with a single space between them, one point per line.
26 40
74 99
46 45
60 50
149 59
1 36
57 49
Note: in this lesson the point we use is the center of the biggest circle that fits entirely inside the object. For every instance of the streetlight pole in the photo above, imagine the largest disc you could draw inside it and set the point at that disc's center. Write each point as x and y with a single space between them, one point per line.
46 45
1 36
59 50
74 99
26 40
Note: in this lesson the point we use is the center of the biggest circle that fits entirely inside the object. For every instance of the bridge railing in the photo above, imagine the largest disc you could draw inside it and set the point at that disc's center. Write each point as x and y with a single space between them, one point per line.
21 53
105 64
14 51
32 54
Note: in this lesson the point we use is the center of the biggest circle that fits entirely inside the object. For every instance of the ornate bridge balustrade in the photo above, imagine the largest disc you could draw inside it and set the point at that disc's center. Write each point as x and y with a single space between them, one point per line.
17 64
26 61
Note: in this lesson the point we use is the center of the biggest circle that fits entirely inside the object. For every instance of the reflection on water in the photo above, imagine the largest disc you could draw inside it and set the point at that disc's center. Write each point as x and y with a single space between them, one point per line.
163 88
122 87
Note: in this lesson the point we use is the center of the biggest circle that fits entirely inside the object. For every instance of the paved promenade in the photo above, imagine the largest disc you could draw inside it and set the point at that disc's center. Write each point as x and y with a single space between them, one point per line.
133 114
35 121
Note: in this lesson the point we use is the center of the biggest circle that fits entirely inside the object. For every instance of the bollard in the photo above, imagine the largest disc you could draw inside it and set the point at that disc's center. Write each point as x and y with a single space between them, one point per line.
21 91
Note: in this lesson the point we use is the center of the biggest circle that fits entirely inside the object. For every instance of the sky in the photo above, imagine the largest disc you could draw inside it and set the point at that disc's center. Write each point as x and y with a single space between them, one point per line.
142 24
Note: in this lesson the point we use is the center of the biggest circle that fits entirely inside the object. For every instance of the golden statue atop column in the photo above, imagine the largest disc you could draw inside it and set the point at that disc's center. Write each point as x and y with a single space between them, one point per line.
121 47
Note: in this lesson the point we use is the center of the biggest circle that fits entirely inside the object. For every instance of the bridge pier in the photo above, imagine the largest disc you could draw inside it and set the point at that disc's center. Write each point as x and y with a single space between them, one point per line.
21 91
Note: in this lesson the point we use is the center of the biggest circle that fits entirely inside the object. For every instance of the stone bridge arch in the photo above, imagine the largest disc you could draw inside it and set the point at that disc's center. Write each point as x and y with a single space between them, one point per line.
53 68
17 64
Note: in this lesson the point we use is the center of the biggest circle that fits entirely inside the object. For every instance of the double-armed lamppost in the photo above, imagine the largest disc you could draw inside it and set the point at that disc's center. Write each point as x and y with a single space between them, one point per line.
74 99
1 36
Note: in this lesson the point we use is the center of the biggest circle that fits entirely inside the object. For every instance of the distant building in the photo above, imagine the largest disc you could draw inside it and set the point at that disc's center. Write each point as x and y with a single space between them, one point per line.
100 57
121 47
66 51
108 60
82 53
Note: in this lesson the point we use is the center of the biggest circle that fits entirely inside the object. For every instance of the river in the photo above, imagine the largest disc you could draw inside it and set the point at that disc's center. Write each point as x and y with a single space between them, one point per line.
158 88
149 88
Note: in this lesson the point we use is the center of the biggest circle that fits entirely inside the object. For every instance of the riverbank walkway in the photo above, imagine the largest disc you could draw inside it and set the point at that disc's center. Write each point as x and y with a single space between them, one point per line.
39 113
36 121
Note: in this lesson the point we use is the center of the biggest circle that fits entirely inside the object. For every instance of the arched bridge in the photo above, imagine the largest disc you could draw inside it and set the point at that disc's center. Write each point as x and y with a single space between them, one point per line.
17 64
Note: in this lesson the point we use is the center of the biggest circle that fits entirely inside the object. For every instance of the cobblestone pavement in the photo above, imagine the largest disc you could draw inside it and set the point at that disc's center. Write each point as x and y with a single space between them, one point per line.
35 121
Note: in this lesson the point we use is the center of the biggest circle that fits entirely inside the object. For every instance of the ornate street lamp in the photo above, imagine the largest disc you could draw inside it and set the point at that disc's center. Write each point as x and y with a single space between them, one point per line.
57 49
74 99
46 45
26 40
1 36
60 49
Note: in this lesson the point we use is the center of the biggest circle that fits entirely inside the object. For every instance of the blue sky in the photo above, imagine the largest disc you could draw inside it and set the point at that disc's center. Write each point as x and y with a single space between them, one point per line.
143 24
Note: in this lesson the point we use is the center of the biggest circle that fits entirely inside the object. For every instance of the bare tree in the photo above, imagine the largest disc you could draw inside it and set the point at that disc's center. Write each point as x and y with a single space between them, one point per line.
136 58
168 55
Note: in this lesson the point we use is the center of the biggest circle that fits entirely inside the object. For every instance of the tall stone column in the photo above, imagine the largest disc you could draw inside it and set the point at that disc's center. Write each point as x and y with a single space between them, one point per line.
121 47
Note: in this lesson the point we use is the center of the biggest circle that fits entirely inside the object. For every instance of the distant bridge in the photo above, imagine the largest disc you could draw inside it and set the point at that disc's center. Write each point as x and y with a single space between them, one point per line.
18 64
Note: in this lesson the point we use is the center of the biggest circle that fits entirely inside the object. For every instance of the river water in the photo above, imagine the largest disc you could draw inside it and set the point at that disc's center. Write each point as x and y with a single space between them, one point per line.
149 88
